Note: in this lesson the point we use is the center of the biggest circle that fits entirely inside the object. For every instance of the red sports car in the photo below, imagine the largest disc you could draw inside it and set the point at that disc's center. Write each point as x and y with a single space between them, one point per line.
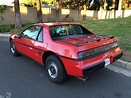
65 49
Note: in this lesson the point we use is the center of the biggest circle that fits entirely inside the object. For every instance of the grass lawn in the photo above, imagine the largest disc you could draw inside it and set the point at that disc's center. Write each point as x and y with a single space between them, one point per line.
120 28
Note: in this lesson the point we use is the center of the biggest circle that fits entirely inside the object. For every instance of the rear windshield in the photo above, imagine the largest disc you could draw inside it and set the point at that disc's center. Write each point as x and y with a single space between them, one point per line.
68 30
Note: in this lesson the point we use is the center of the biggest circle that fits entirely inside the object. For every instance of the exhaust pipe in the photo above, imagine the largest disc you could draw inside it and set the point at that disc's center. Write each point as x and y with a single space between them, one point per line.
83 78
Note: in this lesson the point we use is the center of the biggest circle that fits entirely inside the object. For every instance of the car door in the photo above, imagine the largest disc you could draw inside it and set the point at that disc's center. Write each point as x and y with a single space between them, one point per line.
39 47
25 44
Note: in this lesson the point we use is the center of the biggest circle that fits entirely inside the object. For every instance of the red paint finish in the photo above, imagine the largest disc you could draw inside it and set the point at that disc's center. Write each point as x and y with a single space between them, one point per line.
78 53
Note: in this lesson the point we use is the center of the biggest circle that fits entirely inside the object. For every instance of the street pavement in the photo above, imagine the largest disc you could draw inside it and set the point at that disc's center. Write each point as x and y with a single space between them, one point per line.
21 77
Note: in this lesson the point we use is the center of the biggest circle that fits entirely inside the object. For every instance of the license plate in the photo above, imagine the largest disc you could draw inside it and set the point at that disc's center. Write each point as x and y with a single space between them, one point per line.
107 61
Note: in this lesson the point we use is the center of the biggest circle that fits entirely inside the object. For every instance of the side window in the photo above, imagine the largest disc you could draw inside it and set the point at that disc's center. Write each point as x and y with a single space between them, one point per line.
40 36
78 29
31 32
85 31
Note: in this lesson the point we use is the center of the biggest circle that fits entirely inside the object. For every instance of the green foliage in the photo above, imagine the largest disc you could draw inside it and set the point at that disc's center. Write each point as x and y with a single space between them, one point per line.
26 25
44 2
78 4
74 4
2 7
29 3
48 2
6 28
33 3
95 4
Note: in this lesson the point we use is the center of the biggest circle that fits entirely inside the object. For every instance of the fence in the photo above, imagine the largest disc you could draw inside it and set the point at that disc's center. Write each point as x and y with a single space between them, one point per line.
29 15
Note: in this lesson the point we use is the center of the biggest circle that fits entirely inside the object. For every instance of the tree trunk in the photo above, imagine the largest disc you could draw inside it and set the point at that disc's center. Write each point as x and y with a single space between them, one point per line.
57 11
17 14
101 9
84 14
39 12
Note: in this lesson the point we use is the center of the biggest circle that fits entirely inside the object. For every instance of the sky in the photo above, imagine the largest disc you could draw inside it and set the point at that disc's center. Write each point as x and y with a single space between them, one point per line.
7 2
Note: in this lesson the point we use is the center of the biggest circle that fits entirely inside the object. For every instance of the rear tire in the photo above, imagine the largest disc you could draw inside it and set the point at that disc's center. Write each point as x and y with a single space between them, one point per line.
13 49
55 69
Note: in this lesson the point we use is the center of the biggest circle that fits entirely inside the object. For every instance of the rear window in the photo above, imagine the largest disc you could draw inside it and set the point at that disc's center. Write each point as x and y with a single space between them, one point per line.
67 30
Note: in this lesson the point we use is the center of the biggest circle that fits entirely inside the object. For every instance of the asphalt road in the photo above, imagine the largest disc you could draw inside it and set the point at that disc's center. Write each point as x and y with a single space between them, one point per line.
21 77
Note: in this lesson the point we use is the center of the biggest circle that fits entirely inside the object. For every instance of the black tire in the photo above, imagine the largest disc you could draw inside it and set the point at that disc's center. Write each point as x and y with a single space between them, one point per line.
55 69
13 50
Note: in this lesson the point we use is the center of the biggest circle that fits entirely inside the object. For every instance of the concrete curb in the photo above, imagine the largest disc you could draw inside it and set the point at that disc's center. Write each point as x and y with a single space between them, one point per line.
124 64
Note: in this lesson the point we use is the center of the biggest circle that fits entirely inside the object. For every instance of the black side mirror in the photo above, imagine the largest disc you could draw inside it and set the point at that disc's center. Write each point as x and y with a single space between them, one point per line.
18 36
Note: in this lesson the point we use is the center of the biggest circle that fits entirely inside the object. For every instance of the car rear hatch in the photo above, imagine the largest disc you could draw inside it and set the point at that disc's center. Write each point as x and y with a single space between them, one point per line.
84 39
91 45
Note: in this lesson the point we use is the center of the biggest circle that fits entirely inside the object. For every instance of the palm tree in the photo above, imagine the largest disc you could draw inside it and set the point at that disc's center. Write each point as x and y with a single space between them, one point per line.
39 12
17 14
57 10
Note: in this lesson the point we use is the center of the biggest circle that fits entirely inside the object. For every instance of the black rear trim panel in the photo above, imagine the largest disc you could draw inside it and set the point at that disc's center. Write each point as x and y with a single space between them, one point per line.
93 68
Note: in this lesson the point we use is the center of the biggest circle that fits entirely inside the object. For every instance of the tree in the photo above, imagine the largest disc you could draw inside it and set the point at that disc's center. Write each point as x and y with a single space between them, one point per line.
39 12
17 14
57 10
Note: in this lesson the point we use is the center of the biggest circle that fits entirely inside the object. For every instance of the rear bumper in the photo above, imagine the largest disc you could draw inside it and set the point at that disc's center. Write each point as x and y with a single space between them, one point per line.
83 68
93 68
99 65
116 57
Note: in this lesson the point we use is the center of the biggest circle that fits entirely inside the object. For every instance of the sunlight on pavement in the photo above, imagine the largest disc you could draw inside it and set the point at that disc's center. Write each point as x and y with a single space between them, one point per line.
6 95
4 34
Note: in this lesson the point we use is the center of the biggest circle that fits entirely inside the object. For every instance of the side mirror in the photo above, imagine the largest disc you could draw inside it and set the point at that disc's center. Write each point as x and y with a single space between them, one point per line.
18 36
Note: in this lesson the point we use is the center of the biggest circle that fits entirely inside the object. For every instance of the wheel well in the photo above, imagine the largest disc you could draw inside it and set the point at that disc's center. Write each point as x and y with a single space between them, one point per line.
10 39
47 54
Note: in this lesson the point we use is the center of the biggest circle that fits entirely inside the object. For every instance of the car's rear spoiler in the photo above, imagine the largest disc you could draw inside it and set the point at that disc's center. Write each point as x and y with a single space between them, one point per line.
91 40
100 37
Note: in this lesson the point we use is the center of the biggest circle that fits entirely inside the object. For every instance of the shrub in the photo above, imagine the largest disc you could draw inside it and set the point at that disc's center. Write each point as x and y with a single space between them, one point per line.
2 7
6 28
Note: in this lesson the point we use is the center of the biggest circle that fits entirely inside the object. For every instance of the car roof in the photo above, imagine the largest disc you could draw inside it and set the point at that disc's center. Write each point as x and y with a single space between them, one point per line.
55 23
